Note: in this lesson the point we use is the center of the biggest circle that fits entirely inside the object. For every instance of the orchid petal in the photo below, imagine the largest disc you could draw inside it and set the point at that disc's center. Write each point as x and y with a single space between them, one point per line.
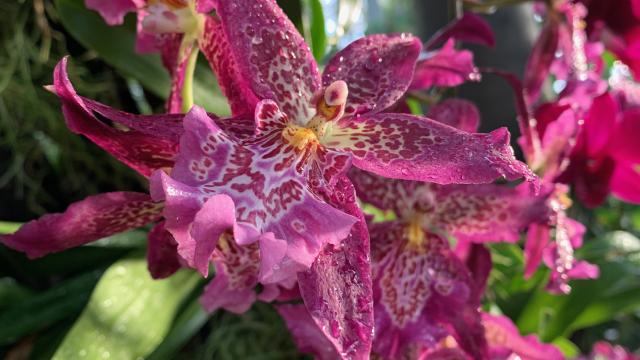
557 143
415 148
216 49
377 68
383 193
216 216
485 213
625 182
505 340
446 67
469 28
584 270
605 350
624 140
479 264
538 238
599 126
140 151
162 253
337 289
306 334
539 63
273 56
459 113
83 222
205 6
113 11
220 293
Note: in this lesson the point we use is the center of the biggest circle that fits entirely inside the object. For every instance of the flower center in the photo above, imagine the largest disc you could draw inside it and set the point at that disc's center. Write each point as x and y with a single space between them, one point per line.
300 137
414 232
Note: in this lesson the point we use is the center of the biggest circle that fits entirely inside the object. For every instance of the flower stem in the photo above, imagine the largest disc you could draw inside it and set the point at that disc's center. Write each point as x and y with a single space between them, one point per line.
187 86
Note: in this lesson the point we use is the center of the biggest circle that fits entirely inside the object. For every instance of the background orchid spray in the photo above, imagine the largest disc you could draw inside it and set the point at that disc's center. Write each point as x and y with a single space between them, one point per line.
269 201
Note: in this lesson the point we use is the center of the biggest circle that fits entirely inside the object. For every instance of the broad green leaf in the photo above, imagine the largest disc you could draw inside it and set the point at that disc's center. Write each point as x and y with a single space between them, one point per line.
190 320
11 292
615 292
39 311
569 349
317 36
129 313
116 46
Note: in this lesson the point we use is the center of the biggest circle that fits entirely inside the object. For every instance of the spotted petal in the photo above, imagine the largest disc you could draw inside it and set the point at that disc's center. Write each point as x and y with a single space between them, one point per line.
377 69
422 292
269 195
485 213
306 334
83 222
337 288
416 148
236 88
383 193
271 54
141 150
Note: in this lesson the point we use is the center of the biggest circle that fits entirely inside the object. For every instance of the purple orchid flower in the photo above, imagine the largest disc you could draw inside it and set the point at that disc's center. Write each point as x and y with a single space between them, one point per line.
419 282
605 350
280 188
606 158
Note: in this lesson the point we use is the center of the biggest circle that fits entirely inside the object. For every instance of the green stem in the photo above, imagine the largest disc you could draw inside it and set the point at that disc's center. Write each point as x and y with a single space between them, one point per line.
187 86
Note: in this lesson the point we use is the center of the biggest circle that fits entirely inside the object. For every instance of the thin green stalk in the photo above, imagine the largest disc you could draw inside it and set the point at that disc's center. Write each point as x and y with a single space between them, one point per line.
187 87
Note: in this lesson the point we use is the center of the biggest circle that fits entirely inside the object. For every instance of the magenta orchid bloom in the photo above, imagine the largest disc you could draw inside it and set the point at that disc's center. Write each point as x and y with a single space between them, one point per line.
419 282
174 28
604 350
606 158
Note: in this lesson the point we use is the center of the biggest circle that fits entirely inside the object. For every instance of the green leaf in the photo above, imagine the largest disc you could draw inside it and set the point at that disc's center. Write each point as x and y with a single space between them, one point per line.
98 254
615 292
116 46
186 325
317 36
39 311
129 313
11 292
9 227
569 349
